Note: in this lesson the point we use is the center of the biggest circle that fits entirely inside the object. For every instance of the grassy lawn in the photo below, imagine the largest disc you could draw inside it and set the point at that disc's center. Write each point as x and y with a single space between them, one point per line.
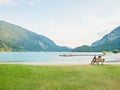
28 77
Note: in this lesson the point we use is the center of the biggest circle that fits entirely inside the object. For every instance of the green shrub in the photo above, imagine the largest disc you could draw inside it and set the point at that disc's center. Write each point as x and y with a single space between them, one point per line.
115 51
104 52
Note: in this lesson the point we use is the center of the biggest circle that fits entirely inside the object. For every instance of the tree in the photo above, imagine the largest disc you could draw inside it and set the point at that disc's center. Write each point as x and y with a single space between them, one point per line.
115 51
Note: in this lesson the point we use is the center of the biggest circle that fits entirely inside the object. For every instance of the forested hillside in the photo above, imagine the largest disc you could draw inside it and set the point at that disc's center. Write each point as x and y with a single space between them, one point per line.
16 38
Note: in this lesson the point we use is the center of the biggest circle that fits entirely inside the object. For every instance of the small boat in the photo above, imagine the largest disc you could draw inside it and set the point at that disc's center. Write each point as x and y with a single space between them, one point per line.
70 55
66 55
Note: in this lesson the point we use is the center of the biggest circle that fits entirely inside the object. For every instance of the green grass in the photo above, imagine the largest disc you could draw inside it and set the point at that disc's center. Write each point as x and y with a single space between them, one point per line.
28 77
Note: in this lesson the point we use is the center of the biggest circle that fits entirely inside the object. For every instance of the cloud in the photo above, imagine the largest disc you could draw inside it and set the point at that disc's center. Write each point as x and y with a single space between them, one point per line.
5 2
32 1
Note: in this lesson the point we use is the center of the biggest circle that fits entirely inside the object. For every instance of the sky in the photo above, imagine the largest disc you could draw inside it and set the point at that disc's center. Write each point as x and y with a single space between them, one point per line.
70 23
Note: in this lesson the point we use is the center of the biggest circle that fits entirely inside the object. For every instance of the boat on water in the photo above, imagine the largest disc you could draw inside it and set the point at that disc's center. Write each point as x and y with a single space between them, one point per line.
70 55
66 55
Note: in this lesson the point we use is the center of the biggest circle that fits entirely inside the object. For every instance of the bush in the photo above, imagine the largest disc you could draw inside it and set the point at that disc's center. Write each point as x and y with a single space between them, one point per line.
115 51
104 52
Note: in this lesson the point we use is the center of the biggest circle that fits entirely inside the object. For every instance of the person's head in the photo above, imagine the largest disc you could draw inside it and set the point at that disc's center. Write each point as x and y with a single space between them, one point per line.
99 56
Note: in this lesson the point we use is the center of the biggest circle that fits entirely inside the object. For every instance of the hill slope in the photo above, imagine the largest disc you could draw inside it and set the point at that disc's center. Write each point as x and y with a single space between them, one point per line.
109 38
16 38
109 42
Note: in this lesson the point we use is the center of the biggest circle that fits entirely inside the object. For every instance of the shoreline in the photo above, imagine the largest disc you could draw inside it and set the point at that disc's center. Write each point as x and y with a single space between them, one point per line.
54 64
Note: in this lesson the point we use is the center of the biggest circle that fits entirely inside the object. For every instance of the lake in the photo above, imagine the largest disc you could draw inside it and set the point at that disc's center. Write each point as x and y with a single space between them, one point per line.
54 58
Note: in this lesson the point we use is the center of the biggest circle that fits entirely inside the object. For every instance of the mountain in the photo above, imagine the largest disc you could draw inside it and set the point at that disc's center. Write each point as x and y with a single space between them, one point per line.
109 38
83 48
4 47
109 42
16 38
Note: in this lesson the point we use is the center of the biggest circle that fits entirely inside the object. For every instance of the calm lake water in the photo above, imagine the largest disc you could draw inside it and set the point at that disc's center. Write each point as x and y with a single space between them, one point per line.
53 57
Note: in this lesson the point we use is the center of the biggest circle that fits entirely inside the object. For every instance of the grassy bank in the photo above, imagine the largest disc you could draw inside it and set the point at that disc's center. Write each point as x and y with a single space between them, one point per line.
26 77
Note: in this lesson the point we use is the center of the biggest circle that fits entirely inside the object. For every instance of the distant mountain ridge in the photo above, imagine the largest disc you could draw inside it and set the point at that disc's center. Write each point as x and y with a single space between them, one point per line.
109 42
16 38
113 35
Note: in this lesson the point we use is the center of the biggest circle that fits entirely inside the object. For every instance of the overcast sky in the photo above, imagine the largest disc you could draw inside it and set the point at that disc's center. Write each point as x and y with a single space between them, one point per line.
67 22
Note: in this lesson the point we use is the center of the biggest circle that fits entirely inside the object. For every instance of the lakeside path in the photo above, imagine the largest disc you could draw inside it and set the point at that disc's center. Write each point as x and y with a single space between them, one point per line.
55 64
41 64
